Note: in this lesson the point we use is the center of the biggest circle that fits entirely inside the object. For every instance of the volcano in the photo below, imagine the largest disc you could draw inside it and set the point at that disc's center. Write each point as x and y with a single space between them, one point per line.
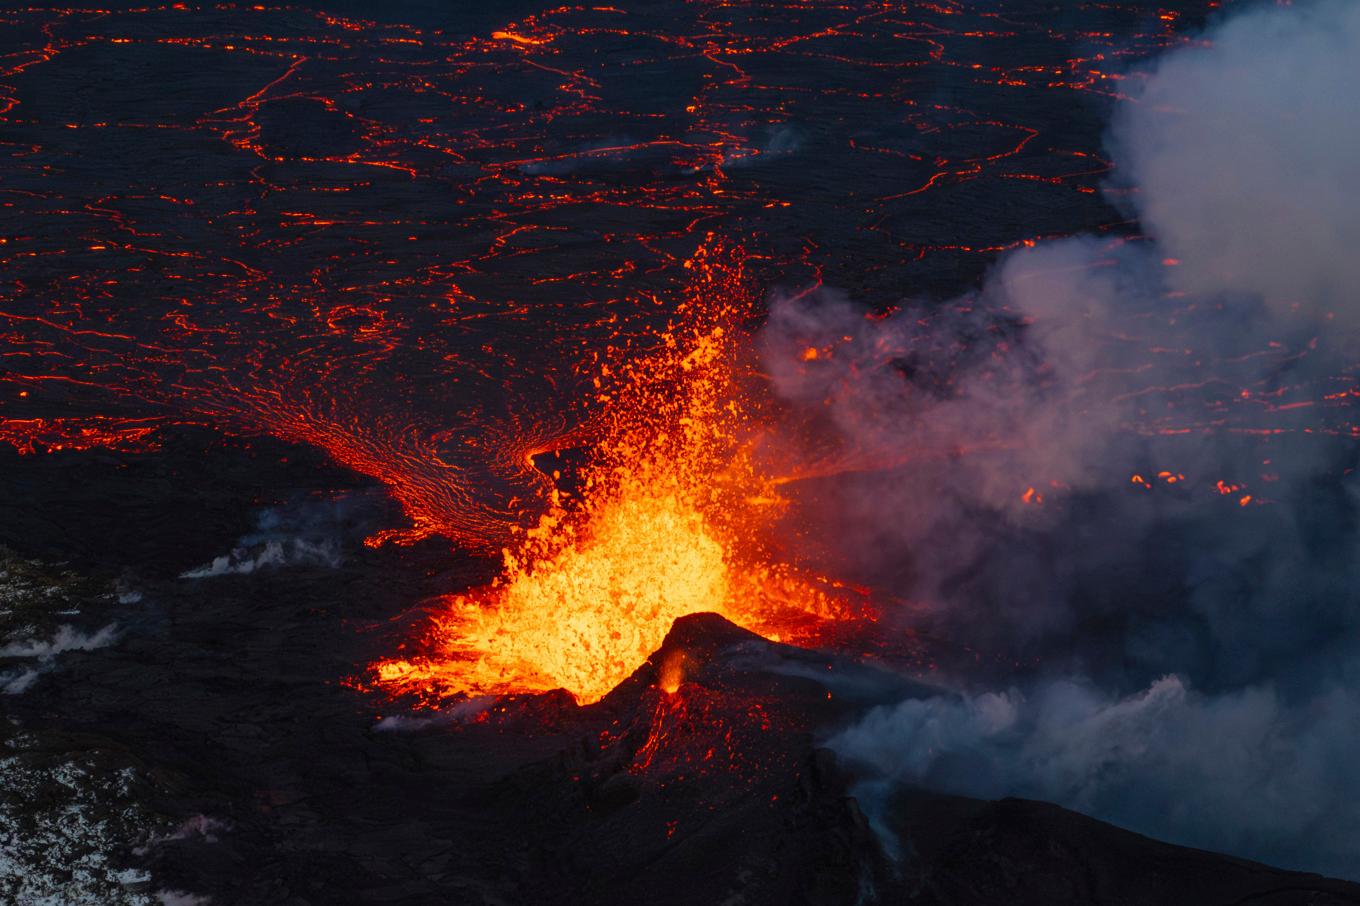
689 451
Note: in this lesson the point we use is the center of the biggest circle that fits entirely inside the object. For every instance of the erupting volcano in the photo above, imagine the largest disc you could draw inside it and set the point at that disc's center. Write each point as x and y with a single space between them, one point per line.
671 517
687 452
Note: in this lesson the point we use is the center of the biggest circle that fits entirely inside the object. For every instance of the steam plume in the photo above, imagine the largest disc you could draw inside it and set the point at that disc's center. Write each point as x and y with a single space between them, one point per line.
1129 466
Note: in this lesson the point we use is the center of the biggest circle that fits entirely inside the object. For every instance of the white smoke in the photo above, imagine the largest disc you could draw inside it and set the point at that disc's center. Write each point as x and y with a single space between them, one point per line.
66 638
45 652
18 682
308 533
243 561
1246 157
1242 771
1196 647
459 713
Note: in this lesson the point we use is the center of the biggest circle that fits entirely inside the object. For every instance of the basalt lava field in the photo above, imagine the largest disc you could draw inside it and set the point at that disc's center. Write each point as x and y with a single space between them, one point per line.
686 452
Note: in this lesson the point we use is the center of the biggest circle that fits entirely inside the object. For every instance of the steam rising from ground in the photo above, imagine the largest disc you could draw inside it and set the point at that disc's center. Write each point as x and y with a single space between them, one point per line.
1245 771
1116 464
306 533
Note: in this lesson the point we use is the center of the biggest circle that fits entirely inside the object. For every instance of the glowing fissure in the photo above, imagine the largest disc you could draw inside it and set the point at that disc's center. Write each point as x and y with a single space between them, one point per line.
665 527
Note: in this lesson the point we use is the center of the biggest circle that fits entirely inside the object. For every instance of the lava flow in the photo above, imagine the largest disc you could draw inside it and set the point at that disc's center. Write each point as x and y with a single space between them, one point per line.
667 523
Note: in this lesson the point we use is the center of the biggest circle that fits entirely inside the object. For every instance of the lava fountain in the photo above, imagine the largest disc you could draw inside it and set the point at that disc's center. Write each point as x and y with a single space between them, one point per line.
669 520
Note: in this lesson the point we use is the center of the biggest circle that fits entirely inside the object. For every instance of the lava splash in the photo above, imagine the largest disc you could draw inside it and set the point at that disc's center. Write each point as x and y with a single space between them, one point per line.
668 521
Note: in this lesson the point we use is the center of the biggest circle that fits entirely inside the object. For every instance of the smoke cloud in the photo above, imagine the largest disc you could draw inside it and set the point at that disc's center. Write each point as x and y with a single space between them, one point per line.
1244 771
1123 471
305 533
44 652
1245 157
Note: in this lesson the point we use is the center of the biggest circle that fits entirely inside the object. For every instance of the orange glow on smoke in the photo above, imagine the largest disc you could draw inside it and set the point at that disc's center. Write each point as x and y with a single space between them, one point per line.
667 525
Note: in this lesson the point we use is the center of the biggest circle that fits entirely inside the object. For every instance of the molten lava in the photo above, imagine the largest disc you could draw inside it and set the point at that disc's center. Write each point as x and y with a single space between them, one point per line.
582 618
668 524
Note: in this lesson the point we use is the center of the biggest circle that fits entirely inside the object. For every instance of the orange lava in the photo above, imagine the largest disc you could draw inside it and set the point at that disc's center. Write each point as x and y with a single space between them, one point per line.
31 435
668 524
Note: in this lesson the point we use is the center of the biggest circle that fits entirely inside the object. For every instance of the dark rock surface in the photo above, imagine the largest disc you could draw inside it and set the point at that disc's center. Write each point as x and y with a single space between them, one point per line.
1018 851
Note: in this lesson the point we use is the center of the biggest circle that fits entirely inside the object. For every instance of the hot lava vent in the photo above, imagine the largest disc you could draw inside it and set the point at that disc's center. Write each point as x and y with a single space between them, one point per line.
670 517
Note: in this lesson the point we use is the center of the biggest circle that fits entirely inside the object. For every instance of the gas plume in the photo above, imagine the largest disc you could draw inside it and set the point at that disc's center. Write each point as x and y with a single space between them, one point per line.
1122 471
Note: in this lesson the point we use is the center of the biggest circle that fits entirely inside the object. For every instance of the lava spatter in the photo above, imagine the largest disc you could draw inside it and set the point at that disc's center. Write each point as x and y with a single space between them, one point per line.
663 527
